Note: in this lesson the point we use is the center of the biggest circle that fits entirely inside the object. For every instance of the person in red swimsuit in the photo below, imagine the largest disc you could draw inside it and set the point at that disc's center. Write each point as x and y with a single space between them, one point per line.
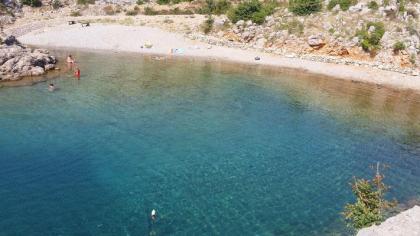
77 73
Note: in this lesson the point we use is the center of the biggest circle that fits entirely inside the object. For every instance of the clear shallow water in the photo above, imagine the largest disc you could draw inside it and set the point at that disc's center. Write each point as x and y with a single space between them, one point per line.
217 149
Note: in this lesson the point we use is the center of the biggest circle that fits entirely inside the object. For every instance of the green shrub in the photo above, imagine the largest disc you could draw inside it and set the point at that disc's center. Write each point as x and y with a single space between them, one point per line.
332 4
207 26
373 5
413 59
32 3
398 46
85 2
216 7
370 202
75 13
401 5
150 11
371 40
244 10
344 4
177 11
162 2
305 7
293 27
222 6
251 10
131 12
139 2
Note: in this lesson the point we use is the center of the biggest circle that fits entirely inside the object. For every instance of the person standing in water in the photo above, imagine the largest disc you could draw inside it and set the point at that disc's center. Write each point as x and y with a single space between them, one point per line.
70 59
77 73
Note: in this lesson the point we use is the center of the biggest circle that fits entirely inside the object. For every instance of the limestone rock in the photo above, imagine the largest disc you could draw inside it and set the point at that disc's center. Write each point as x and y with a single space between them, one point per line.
16 61
316 41
406 223
260 43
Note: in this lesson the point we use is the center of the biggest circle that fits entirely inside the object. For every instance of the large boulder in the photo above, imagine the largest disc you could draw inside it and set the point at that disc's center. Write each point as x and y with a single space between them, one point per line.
316 41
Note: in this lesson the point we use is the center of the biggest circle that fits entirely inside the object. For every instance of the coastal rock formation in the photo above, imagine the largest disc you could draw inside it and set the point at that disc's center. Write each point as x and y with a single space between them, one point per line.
406 223
17 61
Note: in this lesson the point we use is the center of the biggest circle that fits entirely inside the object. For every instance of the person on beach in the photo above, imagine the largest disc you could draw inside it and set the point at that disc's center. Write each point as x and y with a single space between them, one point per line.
153 215
77 73
51 87
70 59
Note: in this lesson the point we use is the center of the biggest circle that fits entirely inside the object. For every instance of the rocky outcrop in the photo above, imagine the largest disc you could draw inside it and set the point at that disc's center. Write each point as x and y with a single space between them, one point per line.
17 61
406 223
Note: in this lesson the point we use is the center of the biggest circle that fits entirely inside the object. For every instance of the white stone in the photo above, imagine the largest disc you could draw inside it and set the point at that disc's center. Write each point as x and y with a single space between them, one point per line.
406 223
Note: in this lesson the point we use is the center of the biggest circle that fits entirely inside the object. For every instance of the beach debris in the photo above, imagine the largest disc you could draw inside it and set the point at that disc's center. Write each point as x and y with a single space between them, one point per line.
209 47
177 50
257 58
148 44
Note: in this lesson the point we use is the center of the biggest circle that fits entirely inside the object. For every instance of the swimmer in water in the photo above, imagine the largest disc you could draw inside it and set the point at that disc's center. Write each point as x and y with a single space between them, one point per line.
153 215
77 73
51 87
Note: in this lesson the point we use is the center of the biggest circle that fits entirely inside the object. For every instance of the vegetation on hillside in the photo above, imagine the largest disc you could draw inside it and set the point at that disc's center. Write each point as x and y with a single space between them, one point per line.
32 3
216 7
398 46
85 2
370 204
305 7
371 36
373 5
344 4
252 10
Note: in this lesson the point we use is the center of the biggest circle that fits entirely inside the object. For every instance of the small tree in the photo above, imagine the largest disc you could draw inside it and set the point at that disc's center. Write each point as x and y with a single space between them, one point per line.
370 202
207 26
371 40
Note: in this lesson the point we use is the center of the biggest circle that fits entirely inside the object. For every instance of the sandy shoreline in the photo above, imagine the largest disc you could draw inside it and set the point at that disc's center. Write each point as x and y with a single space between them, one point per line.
131 39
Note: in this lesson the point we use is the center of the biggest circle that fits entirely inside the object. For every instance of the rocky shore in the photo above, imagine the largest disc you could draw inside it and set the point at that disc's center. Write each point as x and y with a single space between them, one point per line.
316 47
406 223
18 61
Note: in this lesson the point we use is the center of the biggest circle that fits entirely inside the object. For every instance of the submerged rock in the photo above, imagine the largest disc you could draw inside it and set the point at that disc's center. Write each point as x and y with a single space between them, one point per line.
17 61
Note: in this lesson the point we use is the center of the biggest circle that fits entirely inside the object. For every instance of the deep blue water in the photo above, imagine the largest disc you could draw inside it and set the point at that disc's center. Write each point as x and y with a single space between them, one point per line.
217 149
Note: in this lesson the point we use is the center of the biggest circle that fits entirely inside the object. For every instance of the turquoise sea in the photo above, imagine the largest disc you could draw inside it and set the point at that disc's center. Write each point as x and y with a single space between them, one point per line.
216 148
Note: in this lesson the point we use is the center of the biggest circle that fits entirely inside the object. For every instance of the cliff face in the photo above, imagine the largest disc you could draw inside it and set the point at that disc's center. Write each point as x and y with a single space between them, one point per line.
406 223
